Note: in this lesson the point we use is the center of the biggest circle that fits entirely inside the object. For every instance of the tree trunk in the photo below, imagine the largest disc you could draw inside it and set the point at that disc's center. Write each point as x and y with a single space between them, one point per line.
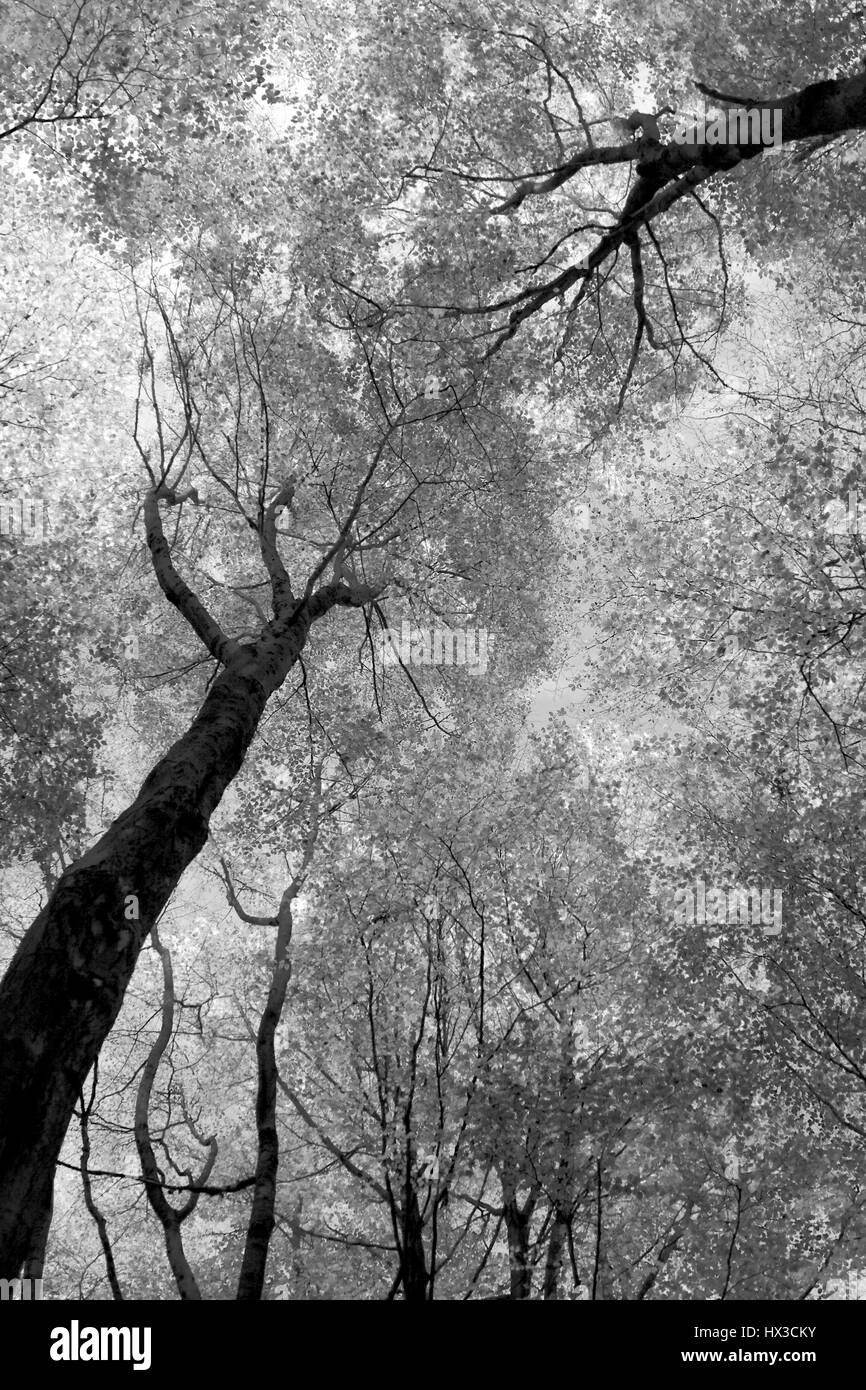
517 1224
261 1223
555 1248
170 1218
67 980
93 1206
34 1264
187 1284
297 1293
415 1276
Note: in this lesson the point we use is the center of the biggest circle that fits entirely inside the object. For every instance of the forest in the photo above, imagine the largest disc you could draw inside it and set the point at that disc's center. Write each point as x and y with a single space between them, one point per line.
432 650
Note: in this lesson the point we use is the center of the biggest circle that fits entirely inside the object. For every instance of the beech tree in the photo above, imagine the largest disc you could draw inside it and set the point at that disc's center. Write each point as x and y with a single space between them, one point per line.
358 390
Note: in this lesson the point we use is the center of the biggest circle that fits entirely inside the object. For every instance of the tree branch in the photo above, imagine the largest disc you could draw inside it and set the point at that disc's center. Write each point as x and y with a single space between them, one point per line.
176 590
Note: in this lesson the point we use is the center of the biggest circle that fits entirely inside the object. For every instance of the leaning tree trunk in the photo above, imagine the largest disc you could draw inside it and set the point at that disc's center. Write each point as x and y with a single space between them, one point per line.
66 983
68 978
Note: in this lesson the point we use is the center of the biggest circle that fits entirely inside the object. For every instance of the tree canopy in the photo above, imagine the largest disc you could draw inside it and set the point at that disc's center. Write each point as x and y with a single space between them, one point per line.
432 657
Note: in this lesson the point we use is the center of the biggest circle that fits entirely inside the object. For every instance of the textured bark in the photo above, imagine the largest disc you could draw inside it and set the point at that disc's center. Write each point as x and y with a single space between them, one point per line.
66 983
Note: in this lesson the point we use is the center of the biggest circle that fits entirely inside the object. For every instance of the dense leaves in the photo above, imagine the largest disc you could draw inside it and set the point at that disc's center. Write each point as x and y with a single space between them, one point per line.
524 955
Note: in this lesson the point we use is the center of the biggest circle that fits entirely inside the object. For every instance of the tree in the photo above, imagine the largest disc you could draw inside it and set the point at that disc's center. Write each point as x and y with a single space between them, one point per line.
401 457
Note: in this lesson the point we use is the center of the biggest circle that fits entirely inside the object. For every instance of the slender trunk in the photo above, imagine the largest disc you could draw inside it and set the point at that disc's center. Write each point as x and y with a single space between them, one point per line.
67 980
297 1252
261 1223
415 1276
94 1208
597 1286
555 1247
518 1224
517 1229
561 1195
260 1227
169 1217
187 1284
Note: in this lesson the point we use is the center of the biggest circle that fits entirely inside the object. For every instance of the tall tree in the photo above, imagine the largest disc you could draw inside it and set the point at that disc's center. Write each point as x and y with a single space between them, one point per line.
419 356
